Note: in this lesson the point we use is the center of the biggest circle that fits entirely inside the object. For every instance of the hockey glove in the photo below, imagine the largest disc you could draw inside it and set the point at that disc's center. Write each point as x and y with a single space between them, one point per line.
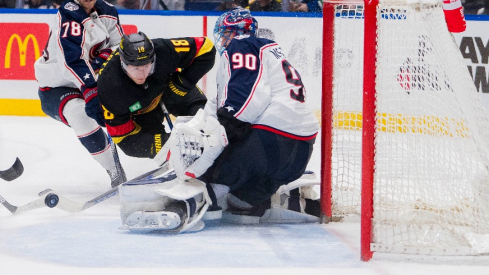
92 104
213 140
100 59
196 122
179 85
193 146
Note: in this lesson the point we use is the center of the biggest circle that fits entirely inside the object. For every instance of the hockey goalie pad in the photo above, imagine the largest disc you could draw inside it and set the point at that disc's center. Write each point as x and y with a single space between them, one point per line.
290 204
163 204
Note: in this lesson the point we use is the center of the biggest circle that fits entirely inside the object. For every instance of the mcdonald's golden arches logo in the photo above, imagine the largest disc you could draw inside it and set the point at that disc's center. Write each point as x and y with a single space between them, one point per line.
21 44
22 48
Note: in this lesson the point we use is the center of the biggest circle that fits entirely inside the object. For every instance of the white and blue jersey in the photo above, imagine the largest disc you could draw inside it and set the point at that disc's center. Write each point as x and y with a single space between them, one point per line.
257 85
75 39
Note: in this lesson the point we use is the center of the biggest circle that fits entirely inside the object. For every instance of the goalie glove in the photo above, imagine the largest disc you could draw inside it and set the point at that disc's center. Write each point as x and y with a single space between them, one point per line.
193 146
196 122
213 139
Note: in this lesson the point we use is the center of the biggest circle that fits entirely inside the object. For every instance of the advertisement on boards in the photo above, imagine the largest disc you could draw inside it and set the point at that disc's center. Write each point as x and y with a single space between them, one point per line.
23 44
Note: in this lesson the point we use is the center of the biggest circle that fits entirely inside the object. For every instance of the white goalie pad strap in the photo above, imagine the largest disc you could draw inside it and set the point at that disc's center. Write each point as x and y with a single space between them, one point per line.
181 190
306 183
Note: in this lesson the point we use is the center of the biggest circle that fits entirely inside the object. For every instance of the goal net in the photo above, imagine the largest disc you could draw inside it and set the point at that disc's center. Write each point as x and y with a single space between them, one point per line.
405 137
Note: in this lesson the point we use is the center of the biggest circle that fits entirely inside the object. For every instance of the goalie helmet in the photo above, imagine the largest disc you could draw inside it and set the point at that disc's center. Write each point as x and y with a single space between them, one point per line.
136 49
236 21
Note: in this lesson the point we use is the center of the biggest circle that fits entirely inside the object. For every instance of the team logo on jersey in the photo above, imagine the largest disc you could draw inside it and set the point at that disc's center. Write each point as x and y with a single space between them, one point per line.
278 53
71 6
136 106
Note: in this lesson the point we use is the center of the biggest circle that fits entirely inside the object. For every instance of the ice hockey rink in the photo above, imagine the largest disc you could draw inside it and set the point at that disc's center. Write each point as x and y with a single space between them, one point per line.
50 241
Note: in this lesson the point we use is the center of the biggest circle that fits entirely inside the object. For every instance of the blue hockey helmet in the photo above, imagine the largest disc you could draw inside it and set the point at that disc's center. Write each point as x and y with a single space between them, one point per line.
236 21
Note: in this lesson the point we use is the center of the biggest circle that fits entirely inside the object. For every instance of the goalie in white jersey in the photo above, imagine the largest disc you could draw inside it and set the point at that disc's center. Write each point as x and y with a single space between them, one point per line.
257 133
260 102
81 38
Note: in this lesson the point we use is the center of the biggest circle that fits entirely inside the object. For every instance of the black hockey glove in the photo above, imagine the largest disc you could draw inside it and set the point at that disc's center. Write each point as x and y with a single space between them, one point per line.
179 85
92 104
100 59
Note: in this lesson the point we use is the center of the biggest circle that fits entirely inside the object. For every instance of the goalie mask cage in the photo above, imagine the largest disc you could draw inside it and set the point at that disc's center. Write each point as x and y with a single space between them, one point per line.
404 134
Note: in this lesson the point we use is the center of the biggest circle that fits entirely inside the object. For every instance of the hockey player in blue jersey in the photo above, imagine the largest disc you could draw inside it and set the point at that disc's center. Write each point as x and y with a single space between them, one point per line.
256 134
261 102
82 36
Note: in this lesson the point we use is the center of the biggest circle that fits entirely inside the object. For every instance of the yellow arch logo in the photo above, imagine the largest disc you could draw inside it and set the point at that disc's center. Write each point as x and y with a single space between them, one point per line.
22 44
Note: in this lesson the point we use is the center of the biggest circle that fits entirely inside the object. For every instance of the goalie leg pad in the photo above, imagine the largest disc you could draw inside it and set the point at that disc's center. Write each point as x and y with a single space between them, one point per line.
174 205
141 221
295 202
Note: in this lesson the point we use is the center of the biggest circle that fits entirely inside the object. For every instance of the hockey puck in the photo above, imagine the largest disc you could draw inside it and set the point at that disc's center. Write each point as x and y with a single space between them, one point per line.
51 200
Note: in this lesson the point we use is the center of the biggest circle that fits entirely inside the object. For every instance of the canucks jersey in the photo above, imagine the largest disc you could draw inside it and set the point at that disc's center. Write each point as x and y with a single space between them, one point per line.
257 85
126 103
75 39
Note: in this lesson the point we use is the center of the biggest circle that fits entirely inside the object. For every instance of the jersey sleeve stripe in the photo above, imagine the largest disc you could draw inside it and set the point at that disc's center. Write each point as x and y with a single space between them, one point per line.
108 16
204 47
119 132
282 133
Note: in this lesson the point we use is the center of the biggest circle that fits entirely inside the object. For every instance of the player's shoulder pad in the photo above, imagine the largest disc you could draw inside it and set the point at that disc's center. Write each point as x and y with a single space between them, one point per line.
105 8
247 44
71 11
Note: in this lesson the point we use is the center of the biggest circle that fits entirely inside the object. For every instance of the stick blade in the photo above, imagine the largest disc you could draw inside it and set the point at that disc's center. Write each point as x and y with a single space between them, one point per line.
13 172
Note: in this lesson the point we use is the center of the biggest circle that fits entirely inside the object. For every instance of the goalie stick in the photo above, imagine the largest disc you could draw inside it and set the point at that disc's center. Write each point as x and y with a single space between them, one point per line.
51 198
13 172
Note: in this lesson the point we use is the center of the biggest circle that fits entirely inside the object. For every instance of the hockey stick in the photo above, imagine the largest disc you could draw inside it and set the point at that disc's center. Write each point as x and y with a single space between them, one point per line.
51 198
13 172
167 115
38 203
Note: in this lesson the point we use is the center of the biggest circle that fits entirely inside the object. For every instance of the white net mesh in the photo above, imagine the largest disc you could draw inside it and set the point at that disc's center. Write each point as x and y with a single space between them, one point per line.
431 168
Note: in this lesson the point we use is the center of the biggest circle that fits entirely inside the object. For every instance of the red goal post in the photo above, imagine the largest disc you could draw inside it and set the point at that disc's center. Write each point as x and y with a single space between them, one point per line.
405 139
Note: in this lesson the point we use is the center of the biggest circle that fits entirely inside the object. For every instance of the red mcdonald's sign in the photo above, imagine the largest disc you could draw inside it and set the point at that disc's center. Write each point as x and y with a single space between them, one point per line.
21 44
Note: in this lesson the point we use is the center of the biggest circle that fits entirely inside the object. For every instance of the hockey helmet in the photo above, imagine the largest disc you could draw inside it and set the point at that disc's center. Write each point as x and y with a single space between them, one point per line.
238 21
136 49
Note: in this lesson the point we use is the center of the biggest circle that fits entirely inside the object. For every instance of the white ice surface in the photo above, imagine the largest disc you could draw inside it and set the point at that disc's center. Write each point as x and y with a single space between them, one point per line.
50 241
